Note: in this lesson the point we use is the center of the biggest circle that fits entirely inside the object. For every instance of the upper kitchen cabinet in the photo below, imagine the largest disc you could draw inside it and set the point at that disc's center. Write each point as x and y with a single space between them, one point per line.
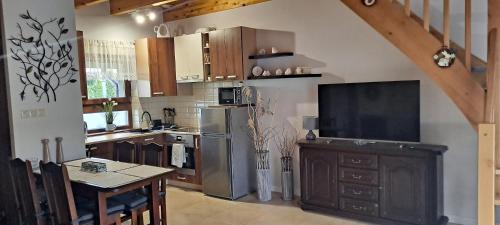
189 58
229 53
155 67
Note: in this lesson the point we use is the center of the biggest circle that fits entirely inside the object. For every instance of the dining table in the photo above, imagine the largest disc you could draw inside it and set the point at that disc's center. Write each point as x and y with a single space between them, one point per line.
119 178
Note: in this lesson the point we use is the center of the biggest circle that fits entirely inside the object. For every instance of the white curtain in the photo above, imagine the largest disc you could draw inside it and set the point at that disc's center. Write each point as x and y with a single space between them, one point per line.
113 60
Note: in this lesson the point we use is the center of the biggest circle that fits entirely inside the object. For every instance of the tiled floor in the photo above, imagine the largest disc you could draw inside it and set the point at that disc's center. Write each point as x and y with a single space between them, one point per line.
193 208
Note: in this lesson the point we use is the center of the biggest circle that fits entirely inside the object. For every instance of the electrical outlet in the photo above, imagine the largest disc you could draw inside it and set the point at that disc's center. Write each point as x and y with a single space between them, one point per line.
25 114
41 113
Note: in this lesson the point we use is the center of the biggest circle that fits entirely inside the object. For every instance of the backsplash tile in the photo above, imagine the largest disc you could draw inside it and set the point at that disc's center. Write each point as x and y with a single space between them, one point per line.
188 108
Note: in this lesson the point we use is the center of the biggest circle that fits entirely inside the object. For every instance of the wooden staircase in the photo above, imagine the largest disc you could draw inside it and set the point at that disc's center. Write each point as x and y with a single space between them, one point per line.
471 83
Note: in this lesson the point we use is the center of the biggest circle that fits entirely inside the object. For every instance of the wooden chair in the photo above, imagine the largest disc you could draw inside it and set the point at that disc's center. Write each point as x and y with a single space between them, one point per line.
62 205
28 201
136 202
156 155
125 151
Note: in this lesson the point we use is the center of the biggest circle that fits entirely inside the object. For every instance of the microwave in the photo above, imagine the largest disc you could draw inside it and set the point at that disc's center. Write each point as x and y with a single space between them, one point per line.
235 96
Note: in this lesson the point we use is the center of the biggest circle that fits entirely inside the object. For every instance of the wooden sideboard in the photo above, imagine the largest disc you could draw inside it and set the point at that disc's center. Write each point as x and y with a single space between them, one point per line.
382 182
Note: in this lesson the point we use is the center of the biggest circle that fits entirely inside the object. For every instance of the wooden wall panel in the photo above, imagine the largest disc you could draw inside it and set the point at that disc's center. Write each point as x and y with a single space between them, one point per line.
118 7
83 3
201 7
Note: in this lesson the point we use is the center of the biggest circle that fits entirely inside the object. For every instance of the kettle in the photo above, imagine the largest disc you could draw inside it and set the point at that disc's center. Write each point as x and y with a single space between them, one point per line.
162 31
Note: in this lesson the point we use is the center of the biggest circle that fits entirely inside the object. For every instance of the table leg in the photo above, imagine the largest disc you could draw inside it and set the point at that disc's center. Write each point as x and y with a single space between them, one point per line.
154 207
102 206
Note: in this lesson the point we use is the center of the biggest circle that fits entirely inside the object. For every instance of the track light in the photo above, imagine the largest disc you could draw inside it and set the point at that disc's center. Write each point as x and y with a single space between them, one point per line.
152 15
140 19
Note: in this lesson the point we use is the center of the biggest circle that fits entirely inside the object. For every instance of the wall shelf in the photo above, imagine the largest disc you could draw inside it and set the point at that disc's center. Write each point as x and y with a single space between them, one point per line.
275 55
284 76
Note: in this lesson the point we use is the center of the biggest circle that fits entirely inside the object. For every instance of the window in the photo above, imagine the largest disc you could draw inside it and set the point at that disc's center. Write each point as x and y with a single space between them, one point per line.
110 66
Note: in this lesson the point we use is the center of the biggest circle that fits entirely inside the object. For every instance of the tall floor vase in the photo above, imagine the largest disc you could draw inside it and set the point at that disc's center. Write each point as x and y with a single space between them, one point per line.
263 176
287 178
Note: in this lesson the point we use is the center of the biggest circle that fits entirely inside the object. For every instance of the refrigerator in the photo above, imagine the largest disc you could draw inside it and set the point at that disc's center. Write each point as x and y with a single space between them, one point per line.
228 161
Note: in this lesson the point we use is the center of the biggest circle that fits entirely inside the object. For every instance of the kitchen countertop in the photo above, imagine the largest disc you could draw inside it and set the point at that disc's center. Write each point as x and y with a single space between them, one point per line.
124 135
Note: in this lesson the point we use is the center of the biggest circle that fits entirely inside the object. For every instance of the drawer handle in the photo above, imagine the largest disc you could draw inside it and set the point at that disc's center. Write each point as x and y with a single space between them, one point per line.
356 161
157 93
357 177
149 139
358 208
181 178
84 96
354 192
93 148
219 77
231 77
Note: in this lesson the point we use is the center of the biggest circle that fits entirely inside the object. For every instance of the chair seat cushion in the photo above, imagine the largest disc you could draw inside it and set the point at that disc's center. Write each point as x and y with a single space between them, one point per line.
84 215
131 200
114 207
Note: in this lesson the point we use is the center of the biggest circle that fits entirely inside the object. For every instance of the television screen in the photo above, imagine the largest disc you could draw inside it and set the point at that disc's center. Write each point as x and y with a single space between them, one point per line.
377 110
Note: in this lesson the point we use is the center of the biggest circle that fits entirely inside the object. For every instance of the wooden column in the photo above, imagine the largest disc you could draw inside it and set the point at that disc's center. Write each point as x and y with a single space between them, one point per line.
468 34
408 7
485 173
427 17
446 23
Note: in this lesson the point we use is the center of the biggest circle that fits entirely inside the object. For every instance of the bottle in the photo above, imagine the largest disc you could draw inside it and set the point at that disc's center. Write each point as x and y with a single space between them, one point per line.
45 150
59 150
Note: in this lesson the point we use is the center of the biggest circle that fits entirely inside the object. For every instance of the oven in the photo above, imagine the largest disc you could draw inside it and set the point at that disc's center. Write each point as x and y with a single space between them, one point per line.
188 168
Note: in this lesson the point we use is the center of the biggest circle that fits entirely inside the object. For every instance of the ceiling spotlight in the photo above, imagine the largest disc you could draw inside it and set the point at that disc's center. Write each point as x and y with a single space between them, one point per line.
140 19
152 16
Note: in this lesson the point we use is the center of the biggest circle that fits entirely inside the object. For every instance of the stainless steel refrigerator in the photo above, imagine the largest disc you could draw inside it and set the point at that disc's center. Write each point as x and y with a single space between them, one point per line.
228 160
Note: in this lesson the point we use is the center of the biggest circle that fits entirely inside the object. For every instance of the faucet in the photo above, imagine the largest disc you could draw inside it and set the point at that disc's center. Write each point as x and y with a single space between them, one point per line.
149 121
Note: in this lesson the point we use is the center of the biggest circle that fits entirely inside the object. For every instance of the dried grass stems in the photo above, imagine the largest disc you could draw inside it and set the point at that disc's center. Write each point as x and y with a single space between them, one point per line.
261 125
285 140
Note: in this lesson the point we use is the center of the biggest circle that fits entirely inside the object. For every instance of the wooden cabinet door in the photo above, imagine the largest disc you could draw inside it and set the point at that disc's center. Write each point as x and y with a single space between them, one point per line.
217 55
101 150
319 178
403 195
166 68
197 159
195 56
234 53
81 63
181 55
153 67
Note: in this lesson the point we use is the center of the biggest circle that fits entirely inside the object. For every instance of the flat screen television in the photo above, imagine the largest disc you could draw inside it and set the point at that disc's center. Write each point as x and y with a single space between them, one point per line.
374 111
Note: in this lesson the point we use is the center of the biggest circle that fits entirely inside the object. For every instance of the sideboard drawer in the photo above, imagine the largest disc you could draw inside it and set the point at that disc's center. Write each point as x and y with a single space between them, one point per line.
359 207
359 176
367 161
362 192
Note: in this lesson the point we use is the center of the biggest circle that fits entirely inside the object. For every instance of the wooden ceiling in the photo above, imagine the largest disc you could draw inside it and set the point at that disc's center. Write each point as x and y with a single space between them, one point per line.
173 9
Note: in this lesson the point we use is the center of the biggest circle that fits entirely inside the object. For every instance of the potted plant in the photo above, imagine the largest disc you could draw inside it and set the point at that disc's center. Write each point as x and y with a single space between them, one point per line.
109 115
286 143
260 124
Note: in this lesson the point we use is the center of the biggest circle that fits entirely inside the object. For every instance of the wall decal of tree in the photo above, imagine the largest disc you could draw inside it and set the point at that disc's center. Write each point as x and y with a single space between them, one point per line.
45 56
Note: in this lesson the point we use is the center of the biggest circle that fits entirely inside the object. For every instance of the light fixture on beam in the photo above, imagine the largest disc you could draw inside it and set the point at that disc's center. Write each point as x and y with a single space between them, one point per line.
152 15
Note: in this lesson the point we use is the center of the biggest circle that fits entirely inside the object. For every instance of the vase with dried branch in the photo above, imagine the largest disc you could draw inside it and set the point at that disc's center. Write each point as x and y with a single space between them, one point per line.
261 126
286 143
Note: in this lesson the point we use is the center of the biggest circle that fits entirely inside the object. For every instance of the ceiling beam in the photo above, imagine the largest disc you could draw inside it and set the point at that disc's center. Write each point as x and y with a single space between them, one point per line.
202 7
83 3
118 7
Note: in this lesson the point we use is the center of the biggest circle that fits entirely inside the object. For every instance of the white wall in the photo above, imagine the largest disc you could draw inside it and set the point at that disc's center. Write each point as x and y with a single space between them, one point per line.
64 117
334 41
97 24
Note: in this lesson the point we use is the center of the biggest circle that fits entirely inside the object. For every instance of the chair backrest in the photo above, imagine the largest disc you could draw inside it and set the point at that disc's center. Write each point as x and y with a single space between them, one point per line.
27 198
59 193
153 155
125 152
